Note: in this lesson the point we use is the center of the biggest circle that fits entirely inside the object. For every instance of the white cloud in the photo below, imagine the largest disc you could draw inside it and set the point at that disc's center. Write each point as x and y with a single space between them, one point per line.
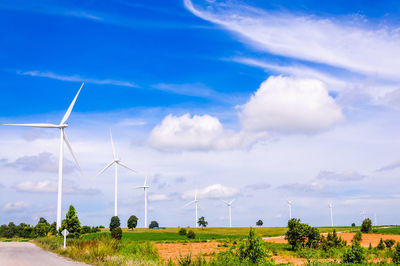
290 105
48 186
158 197
344 176
15 206
198 132
298 187
346 44
77 78
215 191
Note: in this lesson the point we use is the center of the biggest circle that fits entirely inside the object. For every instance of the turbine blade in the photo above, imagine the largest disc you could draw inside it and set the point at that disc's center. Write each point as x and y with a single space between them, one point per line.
145 181
105 168
195 195
70 107
187 204
43 125
225 202
230 203
139 187
123 165
112 145
70 149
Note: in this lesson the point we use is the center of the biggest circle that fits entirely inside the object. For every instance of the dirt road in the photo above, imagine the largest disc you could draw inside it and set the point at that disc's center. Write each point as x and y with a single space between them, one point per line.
27 254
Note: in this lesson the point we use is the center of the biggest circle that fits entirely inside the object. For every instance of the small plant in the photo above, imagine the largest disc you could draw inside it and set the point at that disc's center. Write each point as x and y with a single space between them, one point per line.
182 231
153 224
396 254
380 246
259 223
354 254
114 223
366 226
389 243
191 234
116 233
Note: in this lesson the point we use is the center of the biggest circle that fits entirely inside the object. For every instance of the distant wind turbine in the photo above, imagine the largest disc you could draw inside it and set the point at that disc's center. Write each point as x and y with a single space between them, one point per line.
196 203
145 187
229 204
330 205
289 203
63 138
363 213
116 161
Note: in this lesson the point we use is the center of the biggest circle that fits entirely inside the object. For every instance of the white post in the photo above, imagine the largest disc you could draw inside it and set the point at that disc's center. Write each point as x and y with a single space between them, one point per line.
60 173
116 191
145 208
65 233
196 216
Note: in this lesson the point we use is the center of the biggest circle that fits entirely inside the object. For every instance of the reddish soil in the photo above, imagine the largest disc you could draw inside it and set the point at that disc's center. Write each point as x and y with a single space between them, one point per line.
175 250
366 238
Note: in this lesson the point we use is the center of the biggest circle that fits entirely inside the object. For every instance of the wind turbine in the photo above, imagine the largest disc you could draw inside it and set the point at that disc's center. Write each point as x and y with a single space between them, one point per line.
116 161
330 205
63 138
289 203
363 212
196 203
145 187
229 204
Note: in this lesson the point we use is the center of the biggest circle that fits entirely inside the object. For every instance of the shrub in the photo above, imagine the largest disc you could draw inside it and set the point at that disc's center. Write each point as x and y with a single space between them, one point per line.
153 224
252 249
396 254
354 254
191 234
85 229
366 226
353 225
259 223
357 237
389 243
132 222
114 223
182 231
101 226
41 229
301 235
116 233
380 246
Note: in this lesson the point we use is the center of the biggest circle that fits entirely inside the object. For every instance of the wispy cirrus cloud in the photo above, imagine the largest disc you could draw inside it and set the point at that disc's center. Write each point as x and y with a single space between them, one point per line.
48 186
77 78
342 177
389 167
15 206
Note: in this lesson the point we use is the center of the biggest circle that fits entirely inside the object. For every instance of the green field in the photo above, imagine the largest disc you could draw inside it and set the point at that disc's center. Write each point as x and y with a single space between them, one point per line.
210 233
395 230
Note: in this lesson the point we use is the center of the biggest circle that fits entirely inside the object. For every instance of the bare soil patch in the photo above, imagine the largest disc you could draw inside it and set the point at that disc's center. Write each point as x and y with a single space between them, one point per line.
175 250
366 238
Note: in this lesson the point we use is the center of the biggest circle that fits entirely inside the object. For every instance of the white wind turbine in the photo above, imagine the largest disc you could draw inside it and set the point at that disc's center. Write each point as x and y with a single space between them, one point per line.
330 205
229 204
289 203
116 161
63 138
196 203
145 187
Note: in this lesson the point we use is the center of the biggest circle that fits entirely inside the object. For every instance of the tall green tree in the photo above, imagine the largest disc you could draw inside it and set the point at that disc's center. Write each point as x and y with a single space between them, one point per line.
259 223
132 222
114 223
202 222
71 223
366 226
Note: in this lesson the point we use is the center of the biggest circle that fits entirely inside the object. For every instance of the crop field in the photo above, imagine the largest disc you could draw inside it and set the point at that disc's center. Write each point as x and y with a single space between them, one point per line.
389 230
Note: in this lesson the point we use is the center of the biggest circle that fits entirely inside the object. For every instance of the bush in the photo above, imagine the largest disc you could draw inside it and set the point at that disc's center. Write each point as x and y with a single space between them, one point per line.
153 224
396 254
259 223
85 229
41 229
182 231
114 223
357 237
191 234
301 235
354 254
366 226
132 222
252 249
380 246
116 233
389 243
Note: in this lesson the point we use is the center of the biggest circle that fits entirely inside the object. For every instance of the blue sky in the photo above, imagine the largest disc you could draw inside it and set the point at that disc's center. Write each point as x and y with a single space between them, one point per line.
241 99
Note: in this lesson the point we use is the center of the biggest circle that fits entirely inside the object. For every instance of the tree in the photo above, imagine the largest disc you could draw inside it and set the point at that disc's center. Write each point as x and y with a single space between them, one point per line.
259 223
71 223
182 231
132 222
357 237
53 228
354 254
41 229
85 229
10 230
380 246
300 235
153 224
396 254
191 234
114 223
42 220
252 250
389 243
353 225
116 233
202 222
366 226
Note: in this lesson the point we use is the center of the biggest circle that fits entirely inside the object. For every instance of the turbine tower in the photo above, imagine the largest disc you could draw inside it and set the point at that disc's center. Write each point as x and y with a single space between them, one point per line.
330 205
363 213
289 203
196 203
63 138
116 161
145 187
229 204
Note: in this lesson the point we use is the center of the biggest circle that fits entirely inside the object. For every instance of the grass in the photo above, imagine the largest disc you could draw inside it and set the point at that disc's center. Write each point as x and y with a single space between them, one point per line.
395 230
